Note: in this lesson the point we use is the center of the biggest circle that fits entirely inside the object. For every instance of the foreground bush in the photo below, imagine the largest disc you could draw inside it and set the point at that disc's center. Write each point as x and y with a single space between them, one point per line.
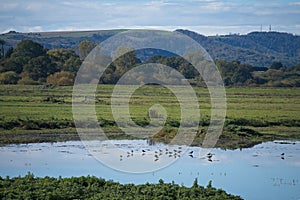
30 187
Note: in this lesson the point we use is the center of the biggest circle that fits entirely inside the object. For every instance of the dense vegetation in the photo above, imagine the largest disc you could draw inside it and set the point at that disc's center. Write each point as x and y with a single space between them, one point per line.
31 64
277 75
30 187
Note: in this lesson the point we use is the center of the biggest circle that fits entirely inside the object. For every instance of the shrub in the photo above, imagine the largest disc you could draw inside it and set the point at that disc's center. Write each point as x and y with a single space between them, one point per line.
9 77
61 78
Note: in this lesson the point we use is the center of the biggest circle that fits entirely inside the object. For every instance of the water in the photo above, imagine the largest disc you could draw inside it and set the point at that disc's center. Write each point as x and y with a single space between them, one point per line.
260 172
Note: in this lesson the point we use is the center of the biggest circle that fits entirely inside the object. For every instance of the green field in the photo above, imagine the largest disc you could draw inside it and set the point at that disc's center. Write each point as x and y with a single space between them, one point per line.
254 115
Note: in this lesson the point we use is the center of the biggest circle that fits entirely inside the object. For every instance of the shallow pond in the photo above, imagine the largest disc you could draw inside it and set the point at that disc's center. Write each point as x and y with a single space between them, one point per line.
267 171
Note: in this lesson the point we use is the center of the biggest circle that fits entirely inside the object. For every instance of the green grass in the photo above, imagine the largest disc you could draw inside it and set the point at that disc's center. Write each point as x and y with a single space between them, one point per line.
36 111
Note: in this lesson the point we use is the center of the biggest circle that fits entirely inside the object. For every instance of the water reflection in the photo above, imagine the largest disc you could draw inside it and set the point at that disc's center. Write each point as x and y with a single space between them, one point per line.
266 171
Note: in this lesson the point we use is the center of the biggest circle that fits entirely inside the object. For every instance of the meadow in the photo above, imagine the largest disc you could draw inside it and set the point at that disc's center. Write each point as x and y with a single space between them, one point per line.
39 114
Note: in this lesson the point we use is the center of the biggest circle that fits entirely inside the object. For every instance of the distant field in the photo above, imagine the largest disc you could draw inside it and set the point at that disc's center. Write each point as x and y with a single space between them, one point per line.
34 113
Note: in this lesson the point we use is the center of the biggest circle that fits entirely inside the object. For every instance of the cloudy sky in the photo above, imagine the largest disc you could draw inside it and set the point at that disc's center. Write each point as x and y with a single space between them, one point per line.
208 17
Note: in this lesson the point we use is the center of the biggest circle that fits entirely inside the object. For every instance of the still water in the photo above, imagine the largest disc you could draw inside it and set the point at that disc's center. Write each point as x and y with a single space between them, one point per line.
267 171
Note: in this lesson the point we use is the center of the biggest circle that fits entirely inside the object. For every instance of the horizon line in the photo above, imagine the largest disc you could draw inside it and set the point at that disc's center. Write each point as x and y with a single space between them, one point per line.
146 28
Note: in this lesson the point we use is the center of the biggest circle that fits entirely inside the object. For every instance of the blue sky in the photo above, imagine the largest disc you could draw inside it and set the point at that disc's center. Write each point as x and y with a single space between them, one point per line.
208 17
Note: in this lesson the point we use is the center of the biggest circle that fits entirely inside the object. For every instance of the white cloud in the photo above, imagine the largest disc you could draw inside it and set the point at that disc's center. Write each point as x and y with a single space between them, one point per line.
34 29
217 6
295 3
8 5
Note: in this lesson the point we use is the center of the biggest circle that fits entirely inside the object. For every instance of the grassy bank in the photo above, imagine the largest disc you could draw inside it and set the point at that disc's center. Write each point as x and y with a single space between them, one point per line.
254 115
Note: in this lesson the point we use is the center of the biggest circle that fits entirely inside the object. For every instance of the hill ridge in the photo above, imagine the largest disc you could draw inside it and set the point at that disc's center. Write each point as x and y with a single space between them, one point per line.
255 48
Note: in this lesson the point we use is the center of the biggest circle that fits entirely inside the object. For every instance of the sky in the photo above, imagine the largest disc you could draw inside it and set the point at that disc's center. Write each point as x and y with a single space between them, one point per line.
207 17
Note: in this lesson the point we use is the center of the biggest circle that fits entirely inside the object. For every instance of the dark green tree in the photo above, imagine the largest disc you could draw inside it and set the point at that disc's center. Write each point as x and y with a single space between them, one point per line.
22 54
242 74
195 184
28 49
125 59
234 73
39 68
188 71
65 59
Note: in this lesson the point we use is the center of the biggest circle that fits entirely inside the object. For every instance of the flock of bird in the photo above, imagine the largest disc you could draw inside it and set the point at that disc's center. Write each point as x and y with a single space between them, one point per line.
158 154
175 153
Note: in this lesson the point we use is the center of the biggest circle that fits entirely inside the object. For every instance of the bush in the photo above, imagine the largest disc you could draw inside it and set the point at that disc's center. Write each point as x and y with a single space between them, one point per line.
9 77
61 78
31 187
25 80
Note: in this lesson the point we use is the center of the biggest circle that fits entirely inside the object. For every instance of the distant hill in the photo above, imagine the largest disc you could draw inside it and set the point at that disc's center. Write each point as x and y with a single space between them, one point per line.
64 39
256 48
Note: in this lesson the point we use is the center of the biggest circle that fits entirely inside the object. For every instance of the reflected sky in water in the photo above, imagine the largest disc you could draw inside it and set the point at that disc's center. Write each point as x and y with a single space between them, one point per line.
267 171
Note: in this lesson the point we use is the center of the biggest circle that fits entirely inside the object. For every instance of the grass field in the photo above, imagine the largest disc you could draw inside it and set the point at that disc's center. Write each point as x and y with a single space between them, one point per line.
36 114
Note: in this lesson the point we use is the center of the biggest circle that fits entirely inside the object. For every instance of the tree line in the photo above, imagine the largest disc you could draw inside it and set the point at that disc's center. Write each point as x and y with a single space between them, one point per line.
30 63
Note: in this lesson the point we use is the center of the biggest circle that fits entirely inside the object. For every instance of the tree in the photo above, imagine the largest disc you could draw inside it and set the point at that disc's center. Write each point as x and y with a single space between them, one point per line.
14 64
242 74
72 64
39 68
84 48
125 59
22 54
195 184
28 49
188 70
234 73
65 59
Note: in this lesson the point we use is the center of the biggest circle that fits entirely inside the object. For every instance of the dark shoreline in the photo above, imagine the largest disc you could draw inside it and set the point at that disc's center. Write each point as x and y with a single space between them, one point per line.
227 140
